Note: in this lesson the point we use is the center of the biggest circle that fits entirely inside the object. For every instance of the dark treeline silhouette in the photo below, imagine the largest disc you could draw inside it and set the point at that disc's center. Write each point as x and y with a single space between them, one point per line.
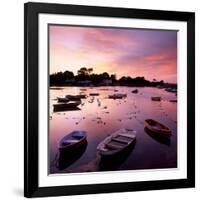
85 77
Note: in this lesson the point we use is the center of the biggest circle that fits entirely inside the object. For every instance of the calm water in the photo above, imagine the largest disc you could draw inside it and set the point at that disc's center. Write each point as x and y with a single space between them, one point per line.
104 116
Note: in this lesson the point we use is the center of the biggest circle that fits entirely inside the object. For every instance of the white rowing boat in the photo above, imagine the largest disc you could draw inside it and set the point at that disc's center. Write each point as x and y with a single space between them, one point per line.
116 143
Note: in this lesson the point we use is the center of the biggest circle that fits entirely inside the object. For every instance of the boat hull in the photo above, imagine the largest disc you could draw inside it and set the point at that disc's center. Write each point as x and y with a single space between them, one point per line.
156 98
66 106
164 131
116 144
73 146
115 155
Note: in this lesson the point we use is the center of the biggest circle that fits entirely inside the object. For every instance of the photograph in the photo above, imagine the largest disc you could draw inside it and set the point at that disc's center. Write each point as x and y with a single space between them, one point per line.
109 99
112 99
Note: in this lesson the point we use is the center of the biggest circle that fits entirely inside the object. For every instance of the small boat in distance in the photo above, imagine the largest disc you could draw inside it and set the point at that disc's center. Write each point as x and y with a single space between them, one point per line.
66 106
94 94
72 141
117 96
156 98
75 97
62 99
135 91
157 127
116 143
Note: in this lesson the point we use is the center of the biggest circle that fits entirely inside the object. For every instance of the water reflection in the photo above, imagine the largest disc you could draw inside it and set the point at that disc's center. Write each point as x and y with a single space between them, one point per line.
66 158
159 138
113 162
101 116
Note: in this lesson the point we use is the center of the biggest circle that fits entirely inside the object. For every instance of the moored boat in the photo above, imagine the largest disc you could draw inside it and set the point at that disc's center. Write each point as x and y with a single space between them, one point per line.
116 143
135 91
156 98
94 94
62 99
65 106
157 127
72 141
76 97
117 96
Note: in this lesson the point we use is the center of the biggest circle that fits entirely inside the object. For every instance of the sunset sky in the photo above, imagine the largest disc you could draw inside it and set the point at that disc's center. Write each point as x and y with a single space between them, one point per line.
124 52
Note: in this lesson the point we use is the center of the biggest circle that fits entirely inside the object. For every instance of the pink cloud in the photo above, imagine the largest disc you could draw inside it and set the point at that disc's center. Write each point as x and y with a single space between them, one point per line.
131 52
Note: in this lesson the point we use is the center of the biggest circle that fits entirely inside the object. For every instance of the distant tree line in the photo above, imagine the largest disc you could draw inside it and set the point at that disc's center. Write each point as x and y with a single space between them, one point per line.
86 76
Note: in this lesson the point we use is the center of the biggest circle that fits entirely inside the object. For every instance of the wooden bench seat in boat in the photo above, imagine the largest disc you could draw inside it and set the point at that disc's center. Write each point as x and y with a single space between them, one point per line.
114 145
127 135
121 140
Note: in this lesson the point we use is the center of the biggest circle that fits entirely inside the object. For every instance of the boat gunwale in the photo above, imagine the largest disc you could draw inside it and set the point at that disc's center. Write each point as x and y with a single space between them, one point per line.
110 152
165 130
71 144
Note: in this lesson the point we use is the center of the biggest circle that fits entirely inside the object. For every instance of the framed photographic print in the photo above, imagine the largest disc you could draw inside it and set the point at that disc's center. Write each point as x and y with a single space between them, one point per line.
109 99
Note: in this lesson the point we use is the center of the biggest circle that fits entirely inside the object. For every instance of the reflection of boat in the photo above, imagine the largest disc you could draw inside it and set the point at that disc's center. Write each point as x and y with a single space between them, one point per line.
114 162
62 99
135 91
76 97
117 96
66 106
116 143
66 158
156 98
159 138
157 127
173 100
94 94
72 141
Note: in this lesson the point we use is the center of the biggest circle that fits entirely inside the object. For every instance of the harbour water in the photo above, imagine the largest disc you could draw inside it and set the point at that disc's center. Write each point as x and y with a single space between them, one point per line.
101 116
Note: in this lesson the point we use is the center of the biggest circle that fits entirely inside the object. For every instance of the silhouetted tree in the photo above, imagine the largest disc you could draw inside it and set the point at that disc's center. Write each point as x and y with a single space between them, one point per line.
68 75
113 77
60 78
83 71
105 75
90 70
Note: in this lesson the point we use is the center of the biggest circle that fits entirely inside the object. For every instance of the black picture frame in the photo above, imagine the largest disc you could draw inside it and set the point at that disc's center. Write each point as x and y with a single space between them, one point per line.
31 12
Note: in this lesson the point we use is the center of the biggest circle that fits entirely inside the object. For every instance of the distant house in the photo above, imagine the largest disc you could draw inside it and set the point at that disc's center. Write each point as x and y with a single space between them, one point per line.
106 82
